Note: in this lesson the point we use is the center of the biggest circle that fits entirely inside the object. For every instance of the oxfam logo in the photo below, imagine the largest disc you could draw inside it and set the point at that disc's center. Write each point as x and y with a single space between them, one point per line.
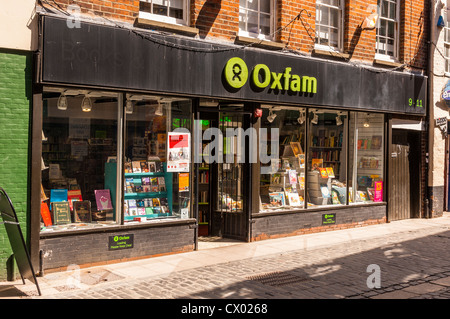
236 72
236 75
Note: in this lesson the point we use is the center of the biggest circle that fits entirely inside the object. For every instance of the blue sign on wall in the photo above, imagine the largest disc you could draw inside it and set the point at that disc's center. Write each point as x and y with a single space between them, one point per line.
446 93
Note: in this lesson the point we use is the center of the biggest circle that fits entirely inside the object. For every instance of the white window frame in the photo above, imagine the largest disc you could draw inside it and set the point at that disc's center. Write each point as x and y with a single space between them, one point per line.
381 19
446 41
340 26
166 19
245 33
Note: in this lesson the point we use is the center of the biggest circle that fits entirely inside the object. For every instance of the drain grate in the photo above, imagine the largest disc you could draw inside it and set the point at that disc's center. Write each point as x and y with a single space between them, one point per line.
277 279
93 277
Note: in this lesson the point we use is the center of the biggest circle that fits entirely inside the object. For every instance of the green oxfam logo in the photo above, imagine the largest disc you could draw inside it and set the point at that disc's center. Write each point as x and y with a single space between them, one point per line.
236 75
236 72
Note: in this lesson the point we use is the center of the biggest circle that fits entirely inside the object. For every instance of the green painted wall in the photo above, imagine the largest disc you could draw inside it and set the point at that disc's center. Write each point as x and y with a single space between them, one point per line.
15 130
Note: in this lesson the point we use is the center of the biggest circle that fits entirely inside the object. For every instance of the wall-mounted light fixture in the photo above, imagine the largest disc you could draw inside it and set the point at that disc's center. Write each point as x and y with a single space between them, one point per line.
370 22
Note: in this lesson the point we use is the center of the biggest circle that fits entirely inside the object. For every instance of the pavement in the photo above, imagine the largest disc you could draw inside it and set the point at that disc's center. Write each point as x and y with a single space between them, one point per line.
406 259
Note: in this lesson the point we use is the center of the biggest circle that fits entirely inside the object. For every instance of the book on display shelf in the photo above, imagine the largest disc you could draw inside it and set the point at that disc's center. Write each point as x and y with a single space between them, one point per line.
82 211
103 199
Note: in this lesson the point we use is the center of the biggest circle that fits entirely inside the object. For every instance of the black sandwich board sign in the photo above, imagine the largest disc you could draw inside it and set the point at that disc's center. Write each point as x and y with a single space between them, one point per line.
16 239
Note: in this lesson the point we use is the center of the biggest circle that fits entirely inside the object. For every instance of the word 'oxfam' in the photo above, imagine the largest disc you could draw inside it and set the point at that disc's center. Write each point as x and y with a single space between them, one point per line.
236 75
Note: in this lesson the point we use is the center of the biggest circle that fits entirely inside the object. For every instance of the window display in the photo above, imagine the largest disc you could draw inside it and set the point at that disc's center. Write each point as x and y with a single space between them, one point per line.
366 157
79 150
283 177
79 159
328 182
157 175
327 157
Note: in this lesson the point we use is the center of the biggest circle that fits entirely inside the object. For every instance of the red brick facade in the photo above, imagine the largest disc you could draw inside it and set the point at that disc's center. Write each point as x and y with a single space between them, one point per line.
216 19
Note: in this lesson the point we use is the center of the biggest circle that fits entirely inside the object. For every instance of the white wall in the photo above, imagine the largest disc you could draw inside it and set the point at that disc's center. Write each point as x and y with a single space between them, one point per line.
16 30
438 108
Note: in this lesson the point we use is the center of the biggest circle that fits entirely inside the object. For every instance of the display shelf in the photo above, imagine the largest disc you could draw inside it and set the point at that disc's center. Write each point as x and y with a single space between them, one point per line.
144 195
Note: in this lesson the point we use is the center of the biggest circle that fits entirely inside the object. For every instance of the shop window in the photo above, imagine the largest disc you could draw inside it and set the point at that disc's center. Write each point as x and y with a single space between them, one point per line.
157 169
282 158
327 158
173 11
329 25
386 46
366 157
256 18
79 153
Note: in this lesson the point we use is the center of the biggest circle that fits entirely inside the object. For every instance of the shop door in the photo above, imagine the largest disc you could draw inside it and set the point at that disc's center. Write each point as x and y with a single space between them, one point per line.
404 175
223 193
233 189
399 194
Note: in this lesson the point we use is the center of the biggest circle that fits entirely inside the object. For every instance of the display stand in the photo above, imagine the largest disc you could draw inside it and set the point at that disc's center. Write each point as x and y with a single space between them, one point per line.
110 182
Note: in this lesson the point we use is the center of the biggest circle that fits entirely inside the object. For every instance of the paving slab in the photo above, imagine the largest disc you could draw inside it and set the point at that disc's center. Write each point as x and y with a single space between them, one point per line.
397 294
424 288
443 281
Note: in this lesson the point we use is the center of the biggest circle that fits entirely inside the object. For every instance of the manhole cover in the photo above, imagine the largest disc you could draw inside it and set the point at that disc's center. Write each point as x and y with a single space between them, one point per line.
278 279
93 277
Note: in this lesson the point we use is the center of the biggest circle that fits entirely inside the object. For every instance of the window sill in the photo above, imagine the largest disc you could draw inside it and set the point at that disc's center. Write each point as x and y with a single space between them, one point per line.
387 63
163 26
116 227
265 44
318 208
335 54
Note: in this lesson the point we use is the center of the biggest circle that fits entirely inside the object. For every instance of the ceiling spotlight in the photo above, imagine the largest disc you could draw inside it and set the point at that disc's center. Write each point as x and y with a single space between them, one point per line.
366 121
301 117
159 109
271 116
86 104
338 118
315 119
62 102
129 107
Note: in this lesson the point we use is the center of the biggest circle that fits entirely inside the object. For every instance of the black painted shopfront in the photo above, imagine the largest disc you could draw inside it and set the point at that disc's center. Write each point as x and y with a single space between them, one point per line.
321 127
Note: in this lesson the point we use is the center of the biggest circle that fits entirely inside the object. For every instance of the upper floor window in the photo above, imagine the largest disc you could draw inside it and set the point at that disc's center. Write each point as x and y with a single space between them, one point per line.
256 18
387 32
329 24
171 11
447 41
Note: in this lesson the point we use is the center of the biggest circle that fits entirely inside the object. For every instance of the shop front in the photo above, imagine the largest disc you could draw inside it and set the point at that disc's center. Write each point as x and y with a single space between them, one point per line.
145 142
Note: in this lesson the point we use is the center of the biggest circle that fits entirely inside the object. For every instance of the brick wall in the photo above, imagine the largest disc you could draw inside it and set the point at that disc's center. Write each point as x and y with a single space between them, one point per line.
15 102
219 20
266 226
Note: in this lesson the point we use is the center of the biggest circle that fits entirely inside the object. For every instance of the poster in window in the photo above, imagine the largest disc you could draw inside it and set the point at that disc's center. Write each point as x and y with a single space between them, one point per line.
178 152
183 182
